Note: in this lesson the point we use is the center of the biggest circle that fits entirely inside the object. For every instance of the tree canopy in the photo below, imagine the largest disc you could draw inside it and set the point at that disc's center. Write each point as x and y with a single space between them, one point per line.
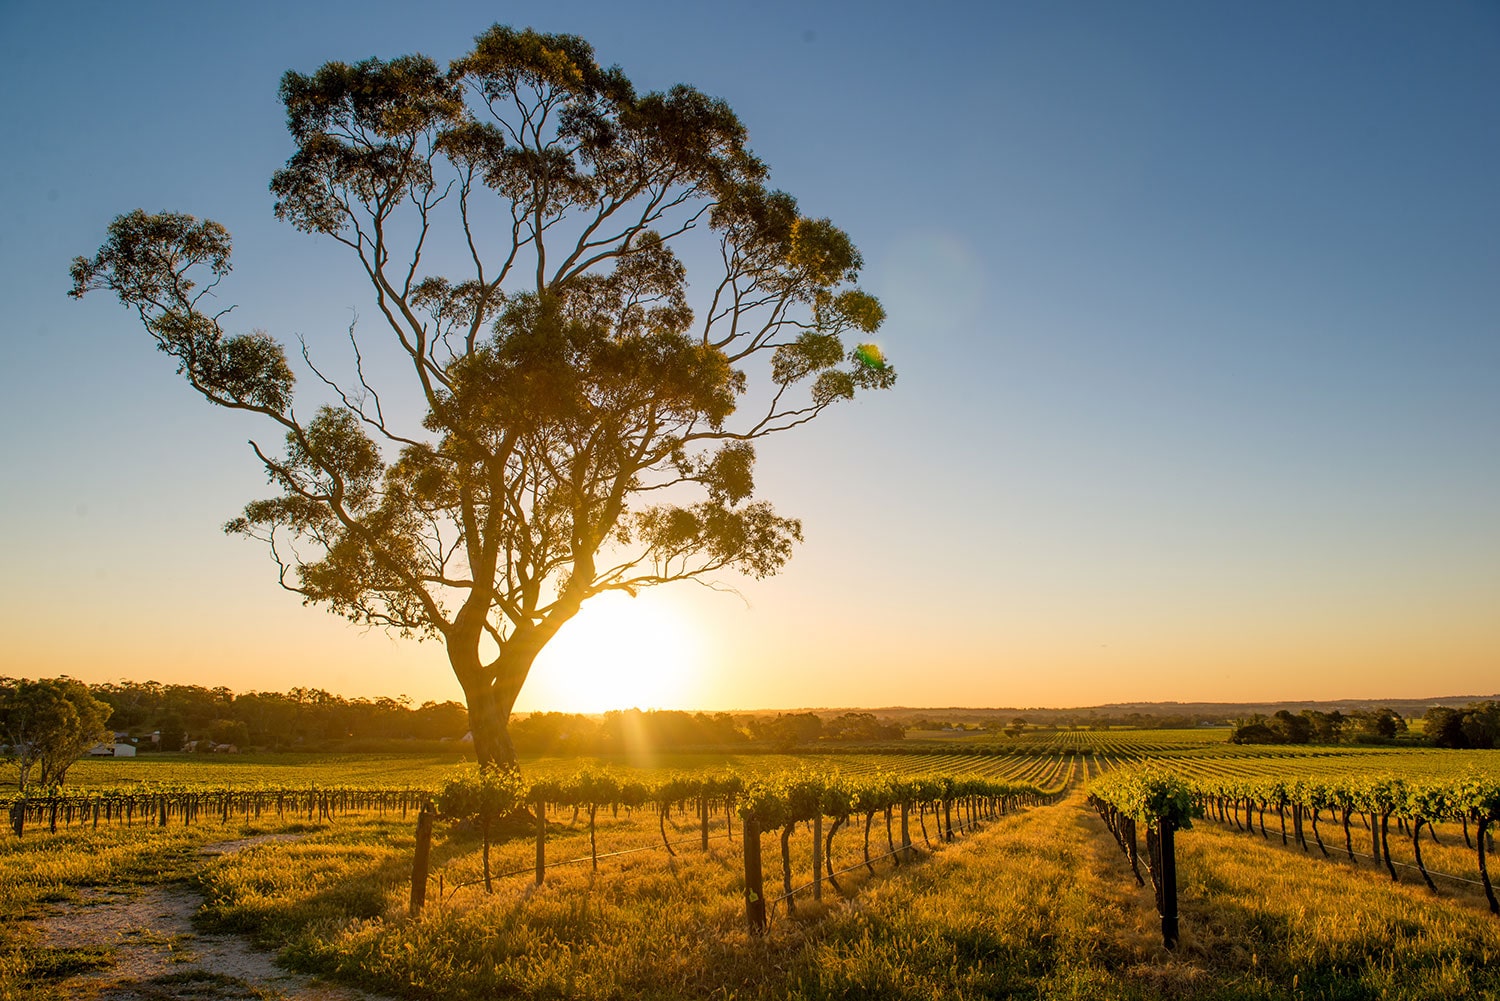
1475 725
1311 726
525 220
47 725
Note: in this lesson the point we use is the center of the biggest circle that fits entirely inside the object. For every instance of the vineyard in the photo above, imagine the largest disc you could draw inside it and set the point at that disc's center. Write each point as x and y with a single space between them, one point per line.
1166 799
680 875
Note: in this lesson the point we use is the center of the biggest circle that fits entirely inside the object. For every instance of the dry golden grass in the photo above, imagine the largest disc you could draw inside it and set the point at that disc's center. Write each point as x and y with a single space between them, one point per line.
1039 904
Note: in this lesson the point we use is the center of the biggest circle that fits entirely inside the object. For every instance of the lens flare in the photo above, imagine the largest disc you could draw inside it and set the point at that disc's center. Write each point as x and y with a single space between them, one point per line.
870 356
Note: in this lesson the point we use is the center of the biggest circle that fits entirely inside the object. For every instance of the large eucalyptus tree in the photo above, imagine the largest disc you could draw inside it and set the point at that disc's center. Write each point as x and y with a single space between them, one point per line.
584 426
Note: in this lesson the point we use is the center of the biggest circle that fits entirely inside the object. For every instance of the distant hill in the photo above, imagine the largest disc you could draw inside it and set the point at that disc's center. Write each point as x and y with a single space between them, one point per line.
1180 713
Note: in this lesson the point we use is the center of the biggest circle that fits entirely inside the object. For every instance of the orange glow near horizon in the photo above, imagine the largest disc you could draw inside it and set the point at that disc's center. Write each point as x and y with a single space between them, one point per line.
785 646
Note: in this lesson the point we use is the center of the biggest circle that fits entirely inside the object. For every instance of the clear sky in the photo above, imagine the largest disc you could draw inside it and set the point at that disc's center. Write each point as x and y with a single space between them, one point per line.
1196 309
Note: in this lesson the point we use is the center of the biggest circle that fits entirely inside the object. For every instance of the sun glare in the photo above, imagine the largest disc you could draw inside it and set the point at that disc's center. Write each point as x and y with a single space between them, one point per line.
618 653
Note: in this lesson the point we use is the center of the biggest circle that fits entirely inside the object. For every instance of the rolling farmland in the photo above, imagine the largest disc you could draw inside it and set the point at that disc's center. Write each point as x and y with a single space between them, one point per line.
644 887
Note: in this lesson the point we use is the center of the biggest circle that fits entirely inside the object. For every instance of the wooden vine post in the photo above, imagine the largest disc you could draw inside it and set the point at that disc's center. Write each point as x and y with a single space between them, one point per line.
419 864
593 843
755 889
1484 872
817 886
541 841
1167 891
905 831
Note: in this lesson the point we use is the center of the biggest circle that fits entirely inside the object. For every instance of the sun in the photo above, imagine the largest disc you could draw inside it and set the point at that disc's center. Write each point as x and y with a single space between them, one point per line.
618 652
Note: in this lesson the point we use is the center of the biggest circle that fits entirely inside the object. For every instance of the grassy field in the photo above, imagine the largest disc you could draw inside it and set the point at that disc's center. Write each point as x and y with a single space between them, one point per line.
429 771
1034 756
254 770
1039 903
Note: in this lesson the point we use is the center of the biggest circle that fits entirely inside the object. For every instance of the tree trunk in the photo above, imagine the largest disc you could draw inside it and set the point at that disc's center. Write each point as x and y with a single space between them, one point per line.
490 690
489 725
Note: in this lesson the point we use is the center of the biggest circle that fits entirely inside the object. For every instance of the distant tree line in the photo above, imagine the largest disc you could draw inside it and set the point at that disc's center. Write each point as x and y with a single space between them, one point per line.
193 717
1312 726
201 718
306 718
1475 725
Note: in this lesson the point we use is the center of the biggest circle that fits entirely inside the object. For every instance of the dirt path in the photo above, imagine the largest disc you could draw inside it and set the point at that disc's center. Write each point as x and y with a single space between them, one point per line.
158 956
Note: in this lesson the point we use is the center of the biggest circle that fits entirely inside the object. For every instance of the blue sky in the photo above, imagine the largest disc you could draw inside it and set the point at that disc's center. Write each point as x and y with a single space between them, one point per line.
1196 309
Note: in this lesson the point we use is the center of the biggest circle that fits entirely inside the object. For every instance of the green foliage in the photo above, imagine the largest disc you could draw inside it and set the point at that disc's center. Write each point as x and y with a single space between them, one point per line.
1472 795
47 725
149 262
303 718
563 375
779 799
1149 794
484 794
1475 725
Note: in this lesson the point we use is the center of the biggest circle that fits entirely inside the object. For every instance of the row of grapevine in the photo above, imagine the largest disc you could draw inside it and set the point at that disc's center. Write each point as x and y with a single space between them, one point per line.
1126 797
1166 802
1473 798
160 804
764 803
160 807
782 802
